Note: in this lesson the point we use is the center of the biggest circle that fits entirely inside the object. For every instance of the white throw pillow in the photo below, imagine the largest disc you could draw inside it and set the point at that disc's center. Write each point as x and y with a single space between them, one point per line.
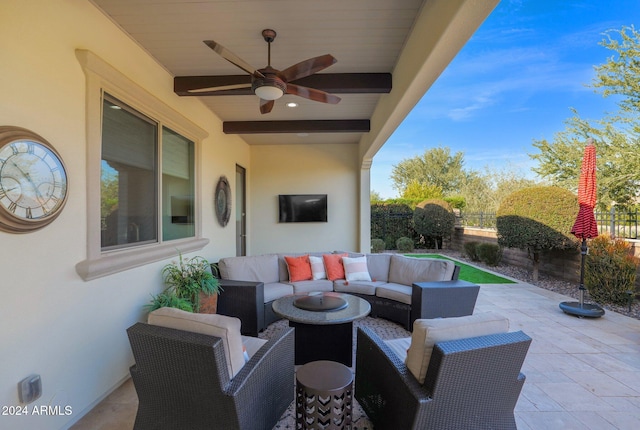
355 269
428 332
225 327
317 268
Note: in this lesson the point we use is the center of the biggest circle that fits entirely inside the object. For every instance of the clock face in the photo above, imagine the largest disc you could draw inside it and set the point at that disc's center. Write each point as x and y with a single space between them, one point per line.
33 184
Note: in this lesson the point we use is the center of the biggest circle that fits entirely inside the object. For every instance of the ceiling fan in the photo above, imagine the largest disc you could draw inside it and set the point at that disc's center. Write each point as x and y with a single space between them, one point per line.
270 84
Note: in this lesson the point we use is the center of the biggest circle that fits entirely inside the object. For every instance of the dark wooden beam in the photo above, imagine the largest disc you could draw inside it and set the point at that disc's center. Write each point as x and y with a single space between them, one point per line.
334 83
304 126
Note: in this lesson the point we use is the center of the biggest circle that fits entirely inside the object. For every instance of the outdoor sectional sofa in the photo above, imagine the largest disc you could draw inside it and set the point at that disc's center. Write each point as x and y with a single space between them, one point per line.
401 289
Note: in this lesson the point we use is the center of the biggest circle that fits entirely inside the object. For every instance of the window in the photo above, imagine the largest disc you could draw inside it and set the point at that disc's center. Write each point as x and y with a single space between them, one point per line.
129 197
142 186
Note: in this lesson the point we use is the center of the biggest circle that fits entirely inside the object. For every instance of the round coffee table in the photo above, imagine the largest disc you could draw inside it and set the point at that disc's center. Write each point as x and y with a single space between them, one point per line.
323 334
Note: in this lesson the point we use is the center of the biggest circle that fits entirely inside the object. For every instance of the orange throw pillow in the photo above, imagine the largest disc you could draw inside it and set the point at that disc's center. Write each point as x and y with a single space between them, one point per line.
333 266
299 268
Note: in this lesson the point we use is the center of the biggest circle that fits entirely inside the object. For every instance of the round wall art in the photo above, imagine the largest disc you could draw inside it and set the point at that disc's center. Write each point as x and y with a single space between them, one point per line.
222 201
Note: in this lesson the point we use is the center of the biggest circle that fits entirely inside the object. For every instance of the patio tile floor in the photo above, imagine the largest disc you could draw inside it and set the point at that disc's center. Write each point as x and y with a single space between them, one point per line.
581 373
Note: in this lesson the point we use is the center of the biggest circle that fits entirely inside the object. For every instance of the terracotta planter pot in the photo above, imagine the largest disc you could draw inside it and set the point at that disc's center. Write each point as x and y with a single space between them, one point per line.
208 304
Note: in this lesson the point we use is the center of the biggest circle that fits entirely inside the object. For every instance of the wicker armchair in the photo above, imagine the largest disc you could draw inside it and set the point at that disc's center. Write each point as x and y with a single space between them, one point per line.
471 383
182 381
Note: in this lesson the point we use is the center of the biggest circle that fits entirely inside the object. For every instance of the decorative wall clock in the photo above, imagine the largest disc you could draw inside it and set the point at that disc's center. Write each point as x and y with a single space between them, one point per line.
223 201
33 181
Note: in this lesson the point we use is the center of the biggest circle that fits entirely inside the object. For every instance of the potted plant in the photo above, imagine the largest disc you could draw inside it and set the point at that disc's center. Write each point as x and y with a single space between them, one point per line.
191 286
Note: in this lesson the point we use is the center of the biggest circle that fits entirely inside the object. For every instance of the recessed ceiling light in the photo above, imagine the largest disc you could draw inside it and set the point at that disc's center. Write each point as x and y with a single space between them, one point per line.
115 107
292 104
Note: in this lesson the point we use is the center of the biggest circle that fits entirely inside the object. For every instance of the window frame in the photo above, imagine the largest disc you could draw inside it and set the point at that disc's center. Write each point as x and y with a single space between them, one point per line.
103 78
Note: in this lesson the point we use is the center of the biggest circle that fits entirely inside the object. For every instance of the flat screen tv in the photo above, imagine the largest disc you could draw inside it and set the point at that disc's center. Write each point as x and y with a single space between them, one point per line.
302 207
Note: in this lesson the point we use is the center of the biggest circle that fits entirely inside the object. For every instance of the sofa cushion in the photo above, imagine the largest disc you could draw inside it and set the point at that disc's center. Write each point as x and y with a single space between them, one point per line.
258 268
333 266
355 269
275 290
317 268
222 326
428 332
379 266
407 270
398 292
310 286
358 287
299 268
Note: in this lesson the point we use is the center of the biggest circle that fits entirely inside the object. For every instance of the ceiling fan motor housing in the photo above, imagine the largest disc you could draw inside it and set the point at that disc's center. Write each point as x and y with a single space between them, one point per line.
270 79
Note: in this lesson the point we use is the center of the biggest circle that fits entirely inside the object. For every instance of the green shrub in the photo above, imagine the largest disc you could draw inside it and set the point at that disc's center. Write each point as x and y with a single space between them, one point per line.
471 251
377 245
405 244
537 219
456 202
434 219
489 253
610 270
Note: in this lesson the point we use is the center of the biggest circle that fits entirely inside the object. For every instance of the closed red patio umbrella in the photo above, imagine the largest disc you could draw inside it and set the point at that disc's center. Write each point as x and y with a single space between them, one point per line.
585 227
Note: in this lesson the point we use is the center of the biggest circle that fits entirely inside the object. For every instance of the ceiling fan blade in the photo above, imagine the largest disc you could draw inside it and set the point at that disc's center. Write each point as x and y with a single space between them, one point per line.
312 94
233 58
307 67
220 88
266 106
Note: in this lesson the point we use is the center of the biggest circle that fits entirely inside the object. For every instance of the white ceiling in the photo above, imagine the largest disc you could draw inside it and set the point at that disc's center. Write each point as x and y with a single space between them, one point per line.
365 36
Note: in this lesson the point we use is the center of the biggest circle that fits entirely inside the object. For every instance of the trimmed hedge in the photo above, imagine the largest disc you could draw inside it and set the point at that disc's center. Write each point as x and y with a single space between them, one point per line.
470 250
377 245
537 218
434 219
489 253
405 244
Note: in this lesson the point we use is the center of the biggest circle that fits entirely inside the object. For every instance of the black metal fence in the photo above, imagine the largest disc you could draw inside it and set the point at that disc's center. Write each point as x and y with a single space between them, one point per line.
618 223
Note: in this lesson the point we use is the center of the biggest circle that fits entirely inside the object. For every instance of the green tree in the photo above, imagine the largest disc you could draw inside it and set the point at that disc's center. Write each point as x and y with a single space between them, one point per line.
616 135
375 197
436 167
537 219
421 190
484 191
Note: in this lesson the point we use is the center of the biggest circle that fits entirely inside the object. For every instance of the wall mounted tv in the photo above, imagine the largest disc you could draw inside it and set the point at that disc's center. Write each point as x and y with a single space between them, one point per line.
302 207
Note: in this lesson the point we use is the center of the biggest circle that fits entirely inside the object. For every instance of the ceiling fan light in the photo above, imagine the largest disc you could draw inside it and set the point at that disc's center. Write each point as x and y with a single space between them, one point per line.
267 92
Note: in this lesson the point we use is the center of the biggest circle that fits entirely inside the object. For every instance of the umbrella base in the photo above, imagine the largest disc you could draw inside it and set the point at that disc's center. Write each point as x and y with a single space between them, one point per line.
582 310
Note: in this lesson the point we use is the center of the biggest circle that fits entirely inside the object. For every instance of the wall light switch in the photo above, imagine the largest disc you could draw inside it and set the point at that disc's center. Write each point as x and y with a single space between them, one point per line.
30 388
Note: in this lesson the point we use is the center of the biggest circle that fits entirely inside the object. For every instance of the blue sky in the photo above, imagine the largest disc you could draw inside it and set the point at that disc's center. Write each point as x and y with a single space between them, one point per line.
514 82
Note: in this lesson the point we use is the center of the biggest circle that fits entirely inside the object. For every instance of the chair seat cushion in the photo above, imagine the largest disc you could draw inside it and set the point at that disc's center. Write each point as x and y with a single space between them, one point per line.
275 290
222 326
252 345
399 346
398 292
310 286
358 287
428 332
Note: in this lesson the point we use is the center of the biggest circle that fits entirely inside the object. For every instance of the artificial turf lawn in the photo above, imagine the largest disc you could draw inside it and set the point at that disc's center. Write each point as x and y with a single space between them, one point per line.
469 273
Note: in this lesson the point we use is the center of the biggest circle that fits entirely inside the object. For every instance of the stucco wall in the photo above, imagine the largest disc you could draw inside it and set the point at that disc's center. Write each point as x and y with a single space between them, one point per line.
314 169
54 324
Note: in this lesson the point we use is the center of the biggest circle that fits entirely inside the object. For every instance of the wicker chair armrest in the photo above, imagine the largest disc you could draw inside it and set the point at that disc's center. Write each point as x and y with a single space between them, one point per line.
385 388
244 300
264 387
277 355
